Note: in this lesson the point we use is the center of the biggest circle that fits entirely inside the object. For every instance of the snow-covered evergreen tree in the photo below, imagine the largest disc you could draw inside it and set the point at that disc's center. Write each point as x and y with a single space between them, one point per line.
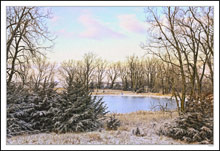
18 111
78 110
45 107
30 111
42 109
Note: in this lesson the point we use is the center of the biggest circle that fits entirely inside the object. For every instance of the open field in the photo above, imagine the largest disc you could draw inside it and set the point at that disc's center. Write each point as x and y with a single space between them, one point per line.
147 122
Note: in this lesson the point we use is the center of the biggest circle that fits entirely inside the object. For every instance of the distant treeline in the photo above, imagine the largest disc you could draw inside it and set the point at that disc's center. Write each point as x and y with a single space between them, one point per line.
137 74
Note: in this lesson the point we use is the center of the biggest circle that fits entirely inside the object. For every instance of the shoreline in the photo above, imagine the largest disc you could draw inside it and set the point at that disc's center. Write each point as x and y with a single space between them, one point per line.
133 95
110 92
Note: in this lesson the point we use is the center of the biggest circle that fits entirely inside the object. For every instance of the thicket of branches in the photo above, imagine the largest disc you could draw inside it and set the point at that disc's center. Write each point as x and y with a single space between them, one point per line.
183 39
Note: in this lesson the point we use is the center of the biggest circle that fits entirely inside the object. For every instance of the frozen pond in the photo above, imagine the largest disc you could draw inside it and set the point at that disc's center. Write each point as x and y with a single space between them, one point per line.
127 104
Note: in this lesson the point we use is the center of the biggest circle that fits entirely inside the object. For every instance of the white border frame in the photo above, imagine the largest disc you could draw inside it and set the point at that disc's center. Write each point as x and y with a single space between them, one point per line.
110 3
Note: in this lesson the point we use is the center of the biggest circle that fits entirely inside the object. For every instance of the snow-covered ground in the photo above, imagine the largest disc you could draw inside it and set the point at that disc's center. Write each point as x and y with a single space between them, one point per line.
147 122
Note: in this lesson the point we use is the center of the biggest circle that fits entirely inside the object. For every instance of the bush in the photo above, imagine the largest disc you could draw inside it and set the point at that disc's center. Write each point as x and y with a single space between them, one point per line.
113 123
196 125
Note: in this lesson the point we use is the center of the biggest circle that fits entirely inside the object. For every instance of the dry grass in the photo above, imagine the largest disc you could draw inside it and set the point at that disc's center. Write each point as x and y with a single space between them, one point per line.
123 128
145 120
143 117
94 137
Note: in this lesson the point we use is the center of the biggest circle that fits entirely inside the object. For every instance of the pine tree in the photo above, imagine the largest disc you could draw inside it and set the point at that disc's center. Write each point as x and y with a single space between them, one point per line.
45 110
45 107
30 112
78 110
18 111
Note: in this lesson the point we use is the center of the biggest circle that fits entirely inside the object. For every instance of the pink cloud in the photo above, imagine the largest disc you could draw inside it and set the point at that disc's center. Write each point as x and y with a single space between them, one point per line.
55 19
95 29
65 33
131 23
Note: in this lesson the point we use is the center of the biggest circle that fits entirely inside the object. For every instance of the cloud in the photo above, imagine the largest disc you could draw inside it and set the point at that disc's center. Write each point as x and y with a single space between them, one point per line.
65 34
54 19
131 23
95 29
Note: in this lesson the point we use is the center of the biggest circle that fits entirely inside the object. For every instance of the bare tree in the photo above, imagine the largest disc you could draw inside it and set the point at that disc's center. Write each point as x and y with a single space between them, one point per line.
42 73
88 67
113 73
123 73
24 75
67 73
177 38
204 17
150 67
132 65
139 76
100 71
26 36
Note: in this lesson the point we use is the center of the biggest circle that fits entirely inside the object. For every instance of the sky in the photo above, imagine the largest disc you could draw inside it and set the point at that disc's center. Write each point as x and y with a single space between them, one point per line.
112 33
